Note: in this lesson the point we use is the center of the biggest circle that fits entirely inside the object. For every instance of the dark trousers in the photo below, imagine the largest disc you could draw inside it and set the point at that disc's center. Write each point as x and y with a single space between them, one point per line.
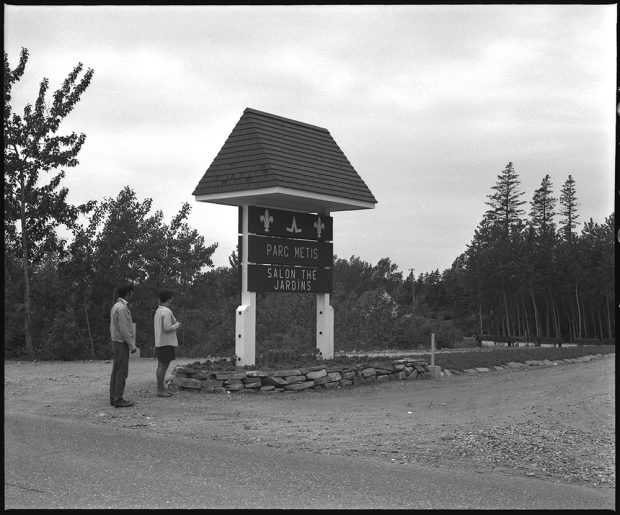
120 370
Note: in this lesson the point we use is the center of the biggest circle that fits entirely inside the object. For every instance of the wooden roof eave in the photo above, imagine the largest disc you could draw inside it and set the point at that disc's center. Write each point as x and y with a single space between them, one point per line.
278 197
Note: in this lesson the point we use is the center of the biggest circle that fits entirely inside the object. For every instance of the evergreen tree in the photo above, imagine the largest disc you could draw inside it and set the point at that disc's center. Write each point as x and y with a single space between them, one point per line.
569 262
543 208
505 203
568 209
541 260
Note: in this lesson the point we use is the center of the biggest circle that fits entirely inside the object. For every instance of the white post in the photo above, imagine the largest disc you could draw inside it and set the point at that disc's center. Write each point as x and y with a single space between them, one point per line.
435 371
324 321
245 315
324 326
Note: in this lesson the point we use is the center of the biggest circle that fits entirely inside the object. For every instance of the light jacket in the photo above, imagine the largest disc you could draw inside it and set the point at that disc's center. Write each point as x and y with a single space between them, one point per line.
165 326
121 326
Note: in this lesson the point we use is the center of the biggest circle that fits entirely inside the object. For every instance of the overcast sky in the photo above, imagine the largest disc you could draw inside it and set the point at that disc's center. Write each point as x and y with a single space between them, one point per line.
428 102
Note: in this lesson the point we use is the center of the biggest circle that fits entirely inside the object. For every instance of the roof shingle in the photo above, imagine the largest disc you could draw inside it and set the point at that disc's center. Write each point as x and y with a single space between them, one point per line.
265 151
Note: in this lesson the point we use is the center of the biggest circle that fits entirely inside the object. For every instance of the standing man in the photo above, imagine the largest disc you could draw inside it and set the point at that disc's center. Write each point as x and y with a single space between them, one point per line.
165 326
123 342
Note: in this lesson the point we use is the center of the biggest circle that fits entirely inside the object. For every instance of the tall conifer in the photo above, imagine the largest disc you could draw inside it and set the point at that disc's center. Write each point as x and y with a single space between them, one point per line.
505 203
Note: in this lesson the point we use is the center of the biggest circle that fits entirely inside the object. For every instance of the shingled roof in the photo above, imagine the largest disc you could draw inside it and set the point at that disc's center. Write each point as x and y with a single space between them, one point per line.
277 162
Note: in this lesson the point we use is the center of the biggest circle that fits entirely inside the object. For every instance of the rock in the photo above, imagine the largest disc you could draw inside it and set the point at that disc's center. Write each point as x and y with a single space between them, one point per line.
186 369
234 387
211 383
229 375
201 376
383 371
334 376
332 369
295 379
447 372
368 372
512 364
532 362
322 380
383 377
482 369
413 375
186 382
253 384
311 369
316 374
284 373
247 379
299 386
255 373
399 376
471 371
267 388
408 370
332 384
497 367
346 382
348 375
399 366
274 381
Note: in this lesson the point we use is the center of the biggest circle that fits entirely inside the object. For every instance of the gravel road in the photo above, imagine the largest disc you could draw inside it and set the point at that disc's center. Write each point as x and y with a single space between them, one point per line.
555 423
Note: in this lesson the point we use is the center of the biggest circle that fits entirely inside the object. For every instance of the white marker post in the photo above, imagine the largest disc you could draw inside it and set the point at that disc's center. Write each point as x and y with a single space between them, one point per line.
324 320
245 317
434 371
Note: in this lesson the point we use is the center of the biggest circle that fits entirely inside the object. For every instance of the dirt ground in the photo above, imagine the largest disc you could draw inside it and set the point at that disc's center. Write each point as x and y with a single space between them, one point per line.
555 423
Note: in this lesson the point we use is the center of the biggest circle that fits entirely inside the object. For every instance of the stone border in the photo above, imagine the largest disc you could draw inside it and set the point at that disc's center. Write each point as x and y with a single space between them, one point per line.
513 365
199 376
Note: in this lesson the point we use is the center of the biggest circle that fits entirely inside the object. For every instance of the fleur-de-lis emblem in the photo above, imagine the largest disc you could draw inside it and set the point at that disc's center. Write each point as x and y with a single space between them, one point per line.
266 219
319 226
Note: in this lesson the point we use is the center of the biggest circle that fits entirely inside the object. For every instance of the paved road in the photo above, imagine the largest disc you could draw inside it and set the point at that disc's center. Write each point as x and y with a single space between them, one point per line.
52 463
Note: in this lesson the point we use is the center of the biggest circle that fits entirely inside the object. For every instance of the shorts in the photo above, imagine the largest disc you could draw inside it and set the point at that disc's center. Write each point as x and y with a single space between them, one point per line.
165 354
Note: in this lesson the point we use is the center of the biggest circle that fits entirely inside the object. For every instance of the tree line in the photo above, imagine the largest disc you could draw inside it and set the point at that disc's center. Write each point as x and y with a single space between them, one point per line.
520 275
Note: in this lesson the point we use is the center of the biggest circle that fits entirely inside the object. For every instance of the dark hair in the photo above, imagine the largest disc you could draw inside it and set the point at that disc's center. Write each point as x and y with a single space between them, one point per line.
124 289
165 295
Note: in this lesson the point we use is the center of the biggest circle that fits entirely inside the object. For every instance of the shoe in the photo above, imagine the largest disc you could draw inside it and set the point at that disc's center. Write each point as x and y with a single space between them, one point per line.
123 404
164 394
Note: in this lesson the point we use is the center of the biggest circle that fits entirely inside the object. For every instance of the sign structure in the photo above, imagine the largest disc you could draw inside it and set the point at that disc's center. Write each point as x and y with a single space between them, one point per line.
298 263
291 224
290 251
289 279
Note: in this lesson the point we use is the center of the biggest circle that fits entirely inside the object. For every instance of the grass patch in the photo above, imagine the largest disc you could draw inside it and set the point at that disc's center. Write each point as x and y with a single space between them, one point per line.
458 360
501 356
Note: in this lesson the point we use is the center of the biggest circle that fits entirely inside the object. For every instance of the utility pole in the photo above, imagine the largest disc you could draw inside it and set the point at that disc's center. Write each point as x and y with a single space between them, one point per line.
413 289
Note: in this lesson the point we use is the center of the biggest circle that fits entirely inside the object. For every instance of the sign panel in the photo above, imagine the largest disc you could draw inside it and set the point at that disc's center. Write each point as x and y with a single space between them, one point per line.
289 279
290 224
287 251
